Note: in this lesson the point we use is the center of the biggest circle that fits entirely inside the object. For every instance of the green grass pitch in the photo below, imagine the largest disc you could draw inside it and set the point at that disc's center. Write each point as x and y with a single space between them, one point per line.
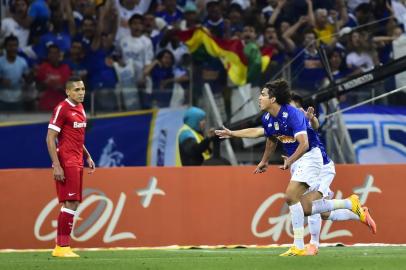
354 258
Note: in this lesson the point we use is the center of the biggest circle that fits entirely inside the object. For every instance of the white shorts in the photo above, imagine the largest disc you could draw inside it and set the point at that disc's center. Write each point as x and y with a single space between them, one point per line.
327 174
307 169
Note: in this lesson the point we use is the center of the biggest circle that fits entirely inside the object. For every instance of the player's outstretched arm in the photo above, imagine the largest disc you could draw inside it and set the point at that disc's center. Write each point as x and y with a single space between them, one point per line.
225 133
270 147
89 160
51 144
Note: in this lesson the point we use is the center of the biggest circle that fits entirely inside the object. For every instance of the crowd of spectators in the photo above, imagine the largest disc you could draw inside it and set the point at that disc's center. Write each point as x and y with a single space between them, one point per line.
132 45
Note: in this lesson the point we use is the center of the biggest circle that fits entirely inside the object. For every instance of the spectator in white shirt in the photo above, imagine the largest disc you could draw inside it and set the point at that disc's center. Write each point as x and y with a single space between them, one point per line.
14 25
126 9
361 57
137 47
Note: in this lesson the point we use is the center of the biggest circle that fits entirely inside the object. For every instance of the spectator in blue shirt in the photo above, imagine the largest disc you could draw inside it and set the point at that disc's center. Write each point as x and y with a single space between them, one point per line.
87 32
38 14
171 14
75 60
214 21
163 75
234 22
101 76
58 35
338 68
362 15
308 69
99 65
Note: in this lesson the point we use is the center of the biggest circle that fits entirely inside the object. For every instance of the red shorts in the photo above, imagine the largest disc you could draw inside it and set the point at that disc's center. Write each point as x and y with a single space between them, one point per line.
71 188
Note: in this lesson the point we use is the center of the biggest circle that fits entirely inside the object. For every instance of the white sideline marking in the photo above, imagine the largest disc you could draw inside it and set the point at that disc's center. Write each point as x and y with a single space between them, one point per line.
176 247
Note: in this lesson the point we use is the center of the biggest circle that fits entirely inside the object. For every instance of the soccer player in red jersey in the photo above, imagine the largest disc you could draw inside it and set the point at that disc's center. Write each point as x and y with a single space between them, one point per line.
65 141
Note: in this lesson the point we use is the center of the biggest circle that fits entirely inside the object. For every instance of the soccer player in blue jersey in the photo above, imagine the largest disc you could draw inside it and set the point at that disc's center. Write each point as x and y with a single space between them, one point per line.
288 124
323 191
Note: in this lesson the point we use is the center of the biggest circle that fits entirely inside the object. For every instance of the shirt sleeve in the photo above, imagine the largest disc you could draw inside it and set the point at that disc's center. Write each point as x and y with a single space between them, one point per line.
57 119
297 121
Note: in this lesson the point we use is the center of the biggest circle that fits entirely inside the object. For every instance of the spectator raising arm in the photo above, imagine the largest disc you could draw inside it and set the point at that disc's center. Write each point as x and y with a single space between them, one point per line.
343 12
276 12
287 36
310 13
67 12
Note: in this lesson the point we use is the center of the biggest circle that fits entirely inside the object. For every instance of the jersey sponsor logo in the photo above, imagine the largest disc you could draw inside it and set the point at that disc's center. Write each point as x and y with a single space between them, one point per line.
276 125
79 125
286 139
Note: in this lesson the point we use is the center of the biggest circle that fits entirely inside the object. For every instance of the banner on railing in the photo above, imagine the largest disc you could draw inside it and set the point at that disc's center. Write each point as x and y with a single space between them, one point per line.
137 207
378 134
167 124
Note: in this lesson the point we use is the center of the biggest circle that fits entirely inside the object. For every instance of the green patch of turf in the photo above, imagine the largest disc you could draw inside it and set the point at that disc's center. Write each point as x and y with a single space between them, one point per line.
354 258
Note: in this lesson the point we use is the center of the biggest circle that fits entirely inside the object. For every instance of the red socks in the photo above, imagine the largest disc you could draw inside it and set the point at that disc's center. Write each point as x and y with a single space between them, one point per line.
65 224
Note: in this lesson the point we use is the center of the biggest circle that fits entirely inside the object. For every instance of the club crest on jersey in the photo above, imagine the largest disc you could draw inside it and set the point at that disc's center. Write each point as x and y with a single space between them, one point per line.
276 125
285 114
79 125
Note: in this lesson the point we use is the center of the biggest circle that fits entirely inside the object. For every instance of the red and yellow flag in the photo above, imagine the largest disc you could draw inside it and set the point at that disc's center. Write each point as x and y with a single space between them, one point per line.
231 52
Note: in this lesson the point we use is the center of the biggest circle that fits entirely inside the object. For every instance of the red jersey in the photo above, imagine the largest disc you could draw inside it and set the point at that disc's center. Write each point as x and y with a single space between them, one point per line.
70 121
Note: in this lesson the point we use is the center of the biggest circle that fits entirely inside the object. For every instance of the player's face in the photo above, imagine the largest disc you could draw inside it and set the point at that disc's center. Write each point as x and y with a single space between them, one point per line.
265 101
76 92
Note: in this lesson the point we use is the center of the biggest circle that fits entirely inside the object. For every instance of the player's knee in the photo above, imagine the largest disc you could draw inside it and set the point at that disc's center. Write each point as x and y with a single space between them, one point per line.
292 196
307 207
325 215
73 205
291 199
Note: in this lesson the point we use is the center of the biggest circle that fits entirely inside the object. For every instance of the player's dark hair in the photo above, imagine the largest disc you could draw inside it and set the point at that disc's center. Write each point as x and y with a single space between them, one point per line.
71 80
280 90
9 39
